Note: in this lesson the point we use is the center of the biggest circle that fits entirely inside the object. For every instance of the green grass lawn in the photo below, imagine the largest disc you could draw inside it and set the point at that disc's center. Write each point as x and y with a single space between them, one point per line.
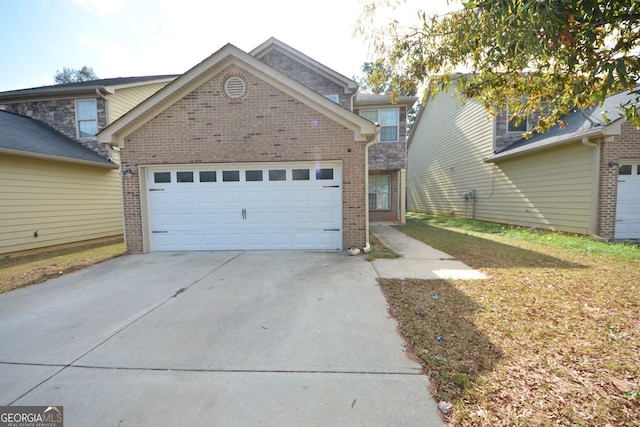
551 338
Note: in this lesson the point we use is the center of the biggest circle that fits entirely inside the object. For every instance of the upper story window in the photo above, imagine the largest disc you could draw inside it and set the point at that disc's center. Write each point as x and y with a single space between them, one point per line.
334 98
388 119
514 126
87 118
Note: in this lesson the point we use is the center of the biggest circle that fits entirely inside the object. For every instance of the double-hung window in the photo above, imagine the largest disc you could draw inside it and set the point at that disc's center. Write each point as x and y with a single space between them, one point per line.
379 192
86 118
388 119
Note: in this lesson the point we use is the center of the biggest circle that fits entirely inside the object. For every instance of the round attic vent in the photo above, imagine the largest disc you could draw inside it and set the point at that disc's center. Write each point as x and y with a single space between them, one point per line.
234 87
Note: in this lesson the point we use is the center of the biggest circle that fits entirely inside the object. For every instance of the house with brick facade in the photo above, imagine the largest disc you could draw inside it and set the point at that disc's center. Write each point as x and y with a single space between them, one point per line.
581 178
265 149
59 185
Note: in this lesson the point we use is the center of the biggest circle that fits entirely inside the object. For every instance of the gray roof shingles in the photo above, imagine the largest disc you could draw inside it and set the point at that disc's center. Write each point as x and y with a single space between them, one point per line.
578 123
21 133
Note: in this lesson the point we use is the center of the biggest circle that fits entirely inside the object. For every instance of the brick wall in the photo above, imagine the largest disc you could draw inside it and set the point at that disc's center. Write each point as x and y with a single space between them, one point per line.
627 147
388 156
61 115
265 125
306 76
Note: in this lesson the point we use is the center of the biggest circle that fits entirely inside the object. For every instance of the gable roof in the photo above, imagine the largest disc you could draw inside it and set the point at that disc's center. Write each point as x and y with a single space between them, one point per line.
26 137
114 134
580 124
104 86
272 44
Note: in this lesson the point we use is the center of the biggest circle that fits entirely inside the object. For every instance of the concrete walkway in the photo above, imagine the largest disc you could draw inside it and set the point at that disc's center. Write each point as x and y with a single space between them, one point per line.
419 261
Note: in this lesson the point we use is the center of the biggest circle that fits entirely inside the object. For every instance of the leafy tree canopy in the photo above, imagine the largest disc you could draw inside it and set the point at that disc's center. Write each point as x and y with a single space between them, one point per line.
531 56
70 75
377 78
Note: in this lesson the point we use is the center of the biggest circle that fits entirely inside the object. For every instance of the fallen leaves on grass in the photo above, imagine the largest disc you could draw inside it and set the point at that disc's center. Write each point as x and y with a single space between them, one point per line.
552 338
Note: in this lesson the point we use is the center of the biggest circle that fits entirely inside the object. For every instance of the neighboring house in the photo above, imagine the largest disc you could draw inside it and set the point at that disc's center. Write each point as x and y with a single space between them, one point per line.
259 150
53 182
81 110
583 178
54 190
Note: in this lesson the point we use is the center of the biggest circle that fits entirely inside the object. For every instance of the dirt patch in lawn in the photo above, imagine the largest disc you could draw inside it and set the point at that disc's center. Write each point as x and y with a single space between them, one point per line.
28 269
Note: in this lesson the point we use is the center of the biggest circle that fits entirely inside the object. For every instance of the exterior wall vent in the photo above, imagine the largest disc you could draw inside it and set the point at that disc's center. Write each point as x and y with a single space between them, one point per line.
234 87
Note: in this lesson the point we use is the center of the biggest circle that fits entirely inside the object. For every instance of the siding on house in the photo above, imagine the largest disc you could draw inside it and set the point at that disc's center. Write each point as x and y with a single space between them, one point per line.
547 190
445 156
63 202
126 98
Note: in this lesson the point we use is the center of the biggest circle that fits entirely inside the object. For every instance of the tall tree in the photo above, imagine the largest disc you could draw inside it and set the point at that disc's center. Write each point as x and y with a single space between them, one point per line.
532 56
377 78
70 75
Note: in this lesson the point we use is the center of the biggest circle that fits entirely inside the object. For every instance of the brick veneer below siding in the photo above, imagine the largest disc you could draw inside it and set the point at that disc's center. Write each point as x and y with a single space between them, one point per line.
265 125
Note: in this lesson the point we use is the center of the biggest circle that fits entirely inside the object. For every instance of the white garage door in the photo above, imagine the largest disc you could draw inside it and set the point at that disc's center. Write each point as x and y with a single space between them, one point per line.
248 206
628 206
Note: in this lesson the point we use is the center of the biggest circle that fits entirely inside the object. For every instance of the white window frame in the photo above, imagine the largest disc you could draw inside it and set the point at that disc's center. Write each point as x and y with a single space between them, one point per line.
383 125
79 119
525 120
377 193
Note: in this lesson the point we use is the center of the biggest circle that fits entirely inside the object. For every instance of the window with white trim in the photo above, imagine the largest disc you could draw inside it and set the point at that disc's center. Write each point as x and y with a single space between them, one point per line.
86 118
388 119
513 125
379 192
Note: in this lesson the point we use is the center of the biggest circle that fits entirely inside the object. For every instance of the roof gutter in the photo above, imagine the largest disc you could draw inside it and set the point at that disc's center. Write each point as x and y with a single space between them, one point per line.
595 187
528 150
42 156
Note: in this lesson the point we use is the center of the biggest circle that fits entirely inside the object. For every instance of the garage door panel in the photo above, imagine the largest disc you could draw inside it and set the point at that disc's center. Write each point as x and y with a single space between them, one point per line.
627 207
245 215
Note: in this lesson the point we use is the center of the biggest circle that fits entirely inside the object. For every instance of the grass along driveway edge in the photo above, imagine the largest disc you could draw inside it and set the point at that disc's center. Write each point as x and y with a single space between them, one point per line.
551 338
24 270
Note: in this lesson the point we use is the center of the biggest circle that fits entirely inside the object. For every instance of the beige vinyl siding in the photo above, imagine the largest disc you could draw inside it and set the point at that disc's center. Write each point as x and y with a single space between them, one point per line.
63 202
445 156
547 190
126 98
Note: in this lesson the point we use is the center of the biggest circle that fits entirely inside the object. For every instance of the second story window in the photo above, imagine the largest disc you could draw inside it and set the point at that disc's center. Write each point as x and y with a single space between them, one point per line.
517 126
388 119
87 118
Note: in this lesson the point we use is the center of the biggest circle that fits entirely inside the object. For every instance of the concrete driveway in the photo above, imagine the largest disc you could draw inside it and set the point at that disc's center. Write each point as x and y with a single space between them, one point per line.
212 338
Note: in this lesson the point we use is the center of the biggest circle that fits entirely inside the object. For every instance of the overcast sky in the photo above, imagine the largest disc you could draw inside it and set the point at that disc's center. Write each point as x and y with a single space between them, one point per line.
123 38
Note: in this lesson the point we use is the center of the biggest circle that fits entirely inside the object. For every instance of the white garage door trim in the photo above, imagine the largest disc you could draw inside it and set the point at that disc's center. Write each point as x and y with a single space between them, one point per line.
628 204
248 206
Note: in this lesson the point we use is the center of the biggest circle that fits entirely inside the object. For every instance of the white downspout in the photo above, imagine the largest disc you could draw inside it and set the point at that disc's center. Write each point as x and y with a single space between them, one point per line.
367 246
595 188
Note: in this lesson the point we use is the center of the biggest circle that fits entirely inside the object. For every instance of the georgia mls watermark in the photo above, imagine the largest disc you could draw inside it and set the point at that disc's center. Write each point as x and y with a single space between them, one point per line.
31 416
